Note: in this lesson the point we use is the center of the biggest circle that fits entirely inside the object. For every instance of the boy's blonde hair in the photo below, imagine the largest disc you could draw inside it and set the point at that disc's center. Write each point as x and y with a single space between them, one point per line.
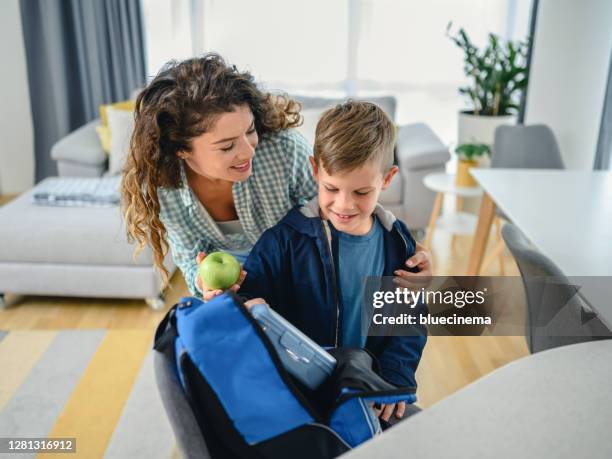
351 134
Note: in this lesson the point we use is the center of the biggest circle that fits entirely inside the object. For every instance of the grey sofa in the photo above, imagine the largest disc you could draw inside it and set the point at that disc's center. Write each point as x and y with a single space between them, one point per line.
68 251
74 251
80 154
84 251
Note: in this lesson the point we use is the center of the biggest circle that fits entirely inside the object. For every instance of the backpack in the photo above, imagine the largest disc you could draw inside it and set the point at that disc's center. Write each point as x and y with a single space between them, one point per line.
248 405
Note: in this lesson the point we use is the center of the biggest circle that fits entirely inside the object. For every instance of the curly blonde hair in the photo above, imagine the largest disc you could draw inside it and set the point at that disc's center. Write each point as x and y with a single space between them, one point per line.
182 102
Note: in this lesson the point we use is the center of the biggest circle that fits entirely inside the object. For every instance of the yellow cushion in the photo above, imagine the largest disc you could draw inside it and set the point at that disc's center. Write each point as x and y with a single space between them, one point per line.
103 131
128 105
105 137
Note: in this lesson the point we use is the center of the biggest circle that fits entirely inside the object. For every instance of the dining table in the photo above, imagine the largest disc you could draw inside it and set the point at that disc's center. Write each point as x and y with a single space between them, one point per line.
565 214
552 404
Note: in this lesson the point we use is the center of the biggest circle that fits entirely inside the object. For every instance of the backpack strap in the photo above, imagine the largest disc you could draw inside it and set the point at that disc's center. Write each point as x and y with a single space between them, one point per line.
166 332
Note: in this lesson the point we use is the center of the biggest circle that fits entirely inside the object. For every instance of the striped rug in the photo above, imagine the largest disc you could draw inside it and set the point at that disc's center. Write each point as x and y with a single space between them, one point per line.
97 386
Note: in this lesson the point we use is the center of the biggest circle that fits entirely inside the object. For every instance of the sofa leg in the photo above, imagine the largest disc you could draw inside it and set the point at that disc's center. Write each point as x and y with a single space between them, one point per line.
9 300
156 302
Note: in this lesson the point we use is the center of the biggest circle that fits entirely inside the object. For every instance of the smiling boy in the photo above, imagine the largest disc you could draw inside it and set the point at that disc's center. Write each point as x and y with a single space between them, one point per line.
312 265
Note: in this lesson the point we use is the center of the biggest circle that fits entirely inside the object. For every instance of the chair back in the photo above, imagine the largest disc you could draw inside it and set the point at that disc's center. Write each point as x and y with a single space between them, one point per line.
557 315
526 147
189 438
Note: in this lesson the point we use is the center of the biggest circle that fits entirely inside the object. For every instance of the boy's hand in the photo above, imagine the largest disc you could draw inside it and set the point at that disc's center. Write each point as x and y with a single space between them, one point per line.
422 261
385 411
208 294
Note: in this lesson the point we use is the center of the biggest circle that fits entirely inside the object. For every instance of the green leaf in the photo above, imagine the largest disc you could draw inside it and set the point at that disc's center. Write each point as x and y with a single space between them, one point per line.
497 72
469 151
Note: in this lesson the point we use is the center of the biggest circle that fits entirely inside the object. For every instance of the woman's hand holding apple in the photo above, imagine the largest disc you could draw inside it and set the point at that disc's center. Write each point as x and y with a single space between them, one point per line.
209 293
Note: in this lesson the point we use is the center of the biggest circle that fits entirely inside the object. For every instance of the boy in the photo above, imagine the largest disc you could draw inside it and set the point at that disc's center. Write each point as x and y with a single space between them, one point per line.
311 266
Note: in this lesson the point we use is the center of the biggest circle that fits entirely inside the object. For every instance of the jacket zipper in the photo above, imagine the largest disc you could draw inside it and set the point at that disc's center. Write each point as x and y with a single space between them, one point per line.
405 244
403 239
331 257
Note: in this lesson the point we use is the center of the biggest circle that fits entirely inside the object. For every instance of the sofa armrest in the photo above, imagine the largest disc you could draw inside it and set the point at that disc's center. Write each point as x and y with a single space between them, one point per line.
418 147
419 152
81 148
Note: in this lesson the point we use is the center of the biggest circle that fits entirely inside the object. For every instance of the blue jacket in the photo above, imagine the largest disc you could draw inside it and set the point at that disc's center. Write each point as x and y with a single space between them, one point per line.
294 268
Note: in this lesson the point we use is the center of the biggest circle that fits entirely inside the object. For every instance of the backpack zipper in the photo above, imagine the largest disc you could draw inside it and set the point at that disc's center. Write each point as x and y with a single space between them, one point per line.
331 257
368 418
332 431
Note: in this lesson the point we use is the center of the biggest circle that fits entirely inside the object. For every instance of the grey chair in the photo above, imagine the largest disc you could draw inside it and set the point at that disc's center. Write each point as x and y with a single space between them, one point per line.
189 438
521 147
526 147
550 320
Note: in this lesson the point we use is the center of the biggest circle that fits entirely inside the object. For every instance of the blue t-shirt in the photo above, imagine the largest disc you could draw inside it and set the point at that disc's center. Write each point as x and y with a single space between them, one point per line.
359 257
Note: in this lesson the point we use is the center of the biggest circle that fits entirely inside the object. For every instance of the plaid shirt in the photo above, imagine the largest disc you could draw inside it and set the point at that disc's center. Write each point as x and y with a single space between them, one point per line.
281 179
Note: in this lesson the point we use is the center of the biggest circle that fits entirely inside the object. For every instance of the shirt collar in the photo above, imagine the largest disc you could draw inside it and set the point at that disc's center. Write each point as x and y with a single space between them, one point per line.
185 190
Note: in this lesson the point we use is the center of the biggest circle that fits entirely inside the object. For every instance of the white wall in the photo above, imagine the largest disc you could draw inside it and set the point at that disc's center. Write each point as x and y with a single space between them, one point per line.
569 70
16 133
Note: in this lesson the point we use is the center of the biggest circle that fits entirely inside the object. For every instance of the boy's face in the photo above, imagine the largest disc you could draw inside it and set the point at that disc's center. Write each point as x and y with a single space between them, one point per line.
347 199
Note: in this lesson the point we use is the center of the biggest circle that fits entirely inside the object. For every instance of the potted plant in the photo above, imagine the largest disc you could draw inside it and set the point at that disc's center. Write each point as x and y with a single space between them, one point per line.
497 75
469 155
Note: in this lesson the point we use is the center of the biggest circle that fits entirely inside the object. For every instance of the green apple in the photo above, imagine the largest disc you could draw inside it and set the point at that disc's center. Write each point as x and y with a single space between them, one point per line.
219 270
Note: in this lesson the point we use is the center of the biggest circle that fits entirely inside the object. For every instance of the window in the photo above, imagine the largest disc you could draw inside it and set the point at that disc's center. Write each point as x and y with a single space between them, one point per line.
296 44
167 32
340 47
403 50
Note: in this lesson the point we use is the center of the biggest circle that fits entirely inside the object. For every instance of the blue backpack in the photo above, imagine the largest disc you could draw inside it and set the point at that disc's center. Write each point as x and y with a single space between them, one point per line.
248 405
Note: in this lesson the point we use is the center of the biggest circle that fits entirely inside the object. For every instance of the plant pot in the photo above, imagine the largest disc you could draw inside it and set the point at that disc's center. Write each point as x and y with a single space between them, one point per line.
463 177
480 129
477 129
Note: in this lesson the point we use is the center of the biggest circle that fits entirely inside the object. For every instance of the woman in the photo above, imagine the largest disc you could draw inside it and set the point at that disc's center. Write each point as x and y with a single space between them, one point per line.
213 163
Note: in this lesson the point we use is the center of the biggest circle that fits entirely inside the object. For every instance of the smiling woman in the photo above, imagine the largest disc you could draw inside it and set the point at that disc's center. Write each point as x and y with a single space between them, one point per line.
213 163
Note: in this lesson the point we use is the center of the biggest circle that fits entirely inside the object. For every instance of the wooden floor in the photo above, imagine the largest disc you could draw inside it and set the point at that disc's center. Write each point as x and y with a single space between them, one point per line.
448 363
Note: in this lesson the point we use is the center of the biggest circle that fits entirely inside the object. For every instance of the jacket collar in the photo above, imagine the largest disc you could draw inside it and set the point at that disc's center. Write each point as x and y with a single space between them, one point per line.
306 220
312 210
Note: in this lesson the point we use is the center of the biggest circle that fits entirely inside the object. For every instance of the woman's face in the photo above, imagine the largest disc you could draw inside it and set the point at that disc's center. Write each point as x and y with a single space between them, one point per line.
226 151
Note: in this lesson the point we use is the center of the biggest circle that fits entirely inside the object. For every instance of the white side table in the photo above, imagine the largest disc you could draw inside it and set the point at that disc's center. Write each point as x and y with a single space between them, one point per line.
458 222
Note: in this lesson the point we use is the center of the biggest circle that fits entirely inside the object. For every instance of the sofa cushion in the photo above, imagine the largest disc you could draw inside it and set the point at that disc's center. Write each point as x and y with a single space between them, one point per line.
387 103
125 105
104 134
121 125
310 118
418 147
313 108
81 146
104 130
71 235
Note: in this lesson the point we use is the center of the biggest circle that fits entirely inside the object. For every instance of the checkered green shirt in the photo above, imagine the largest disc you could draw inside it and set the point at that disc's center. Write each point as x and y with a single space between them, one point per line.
281 179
